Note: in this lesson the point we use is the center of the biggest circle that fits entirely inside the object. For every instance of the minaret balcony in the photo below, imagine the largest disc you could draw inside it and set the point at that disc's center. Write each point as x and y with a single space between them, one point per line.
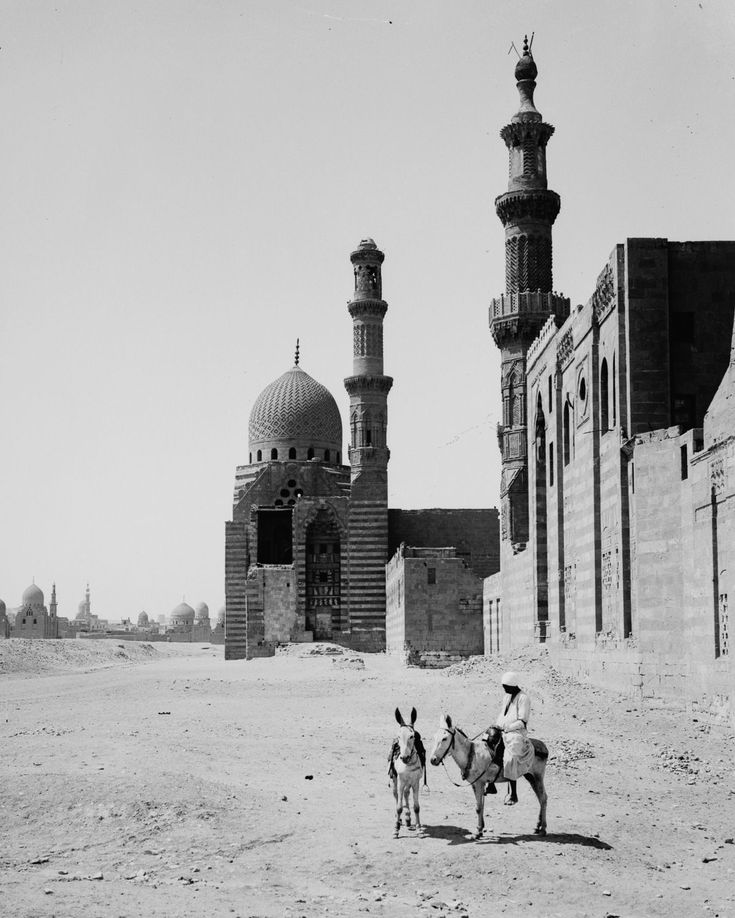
528 303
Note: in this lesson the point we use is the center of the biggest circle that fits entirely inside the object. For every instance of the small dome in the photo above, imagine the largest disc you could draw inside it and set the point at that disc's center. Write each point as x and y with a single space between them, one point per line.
32 596
202 610
182 612
221 616
526 69
295 410
143 619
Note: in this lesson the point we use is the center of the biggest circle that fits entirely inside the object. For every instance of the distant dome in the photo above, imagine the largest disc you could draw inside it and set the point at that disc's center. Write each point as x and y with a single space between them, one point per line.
2 609
294 411
182 613
221 616
202 610
32 596
143 619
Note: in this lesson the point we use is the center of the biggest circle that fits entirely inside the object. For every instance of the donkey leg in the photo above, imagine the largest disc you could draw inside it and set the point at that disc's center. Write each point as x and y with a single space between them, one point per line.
479 790
416 805
407 806
398 795
537 783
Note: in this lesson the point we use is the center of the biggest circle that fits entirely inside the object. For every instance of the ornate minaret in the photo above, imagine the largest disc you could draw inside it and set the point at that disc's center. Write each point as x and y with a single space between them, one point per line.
52 605
368 389
527 210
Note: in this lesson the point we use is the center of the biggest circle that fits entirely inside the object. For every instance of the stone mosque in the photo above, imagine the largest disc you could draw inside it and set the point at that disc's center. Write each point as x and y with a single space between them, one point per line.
618 449
307 546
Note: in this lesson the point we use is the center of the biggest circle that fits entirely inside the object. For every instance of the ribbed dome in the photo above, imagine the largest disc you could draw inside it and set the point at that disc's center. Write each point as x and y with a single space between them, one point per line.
183 612
295 410
32 596
143 619
202 611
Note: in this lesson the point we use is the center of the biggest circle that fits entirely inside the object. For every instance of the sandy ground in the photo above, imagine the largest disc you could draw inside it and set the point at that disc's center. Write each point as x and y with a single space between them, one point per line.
159 780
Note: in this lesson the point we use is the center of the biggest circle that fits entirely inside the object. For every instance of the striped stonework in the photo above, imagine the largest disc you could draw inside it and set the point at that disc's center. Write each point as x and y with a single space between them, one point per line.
236 567
368 556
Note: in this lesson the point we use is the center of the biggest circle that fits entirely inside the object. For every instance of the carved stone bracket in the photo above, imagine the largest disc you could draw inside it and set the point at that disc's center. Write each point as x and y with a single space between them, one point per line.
518 205
565 350
368 307
515 133
356 385
604 298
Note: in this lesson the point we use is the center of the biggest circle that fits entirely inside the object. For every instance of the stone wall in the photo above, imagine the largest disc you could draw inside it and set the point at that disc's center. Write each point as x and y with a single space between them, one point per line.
434 606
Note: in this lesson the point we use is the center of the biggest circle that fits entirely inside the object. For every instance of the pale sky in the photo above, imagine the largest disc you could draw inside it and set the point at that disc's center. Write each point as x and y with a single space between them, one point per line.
182 185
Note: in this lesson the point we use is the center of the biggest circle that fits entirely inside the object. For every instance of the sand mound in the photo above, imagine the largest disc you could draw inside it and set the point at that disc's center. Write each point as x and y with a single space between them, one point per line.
22 656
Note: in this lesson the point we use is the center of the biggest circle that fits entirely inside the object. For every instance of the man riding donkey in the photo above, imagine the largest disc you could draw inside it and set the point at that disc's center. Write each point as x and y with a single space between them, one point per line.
511 734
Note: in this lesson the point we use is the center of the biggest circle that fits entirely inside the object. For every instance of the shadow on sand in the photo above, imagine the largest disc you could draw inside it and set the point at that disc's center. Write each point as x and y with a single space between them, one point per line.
462 836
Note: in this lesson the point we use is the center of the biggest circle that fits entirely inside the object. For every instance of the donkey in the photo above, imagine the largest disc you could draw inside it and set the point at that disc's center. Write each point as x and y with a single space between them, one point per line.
405 767
482 764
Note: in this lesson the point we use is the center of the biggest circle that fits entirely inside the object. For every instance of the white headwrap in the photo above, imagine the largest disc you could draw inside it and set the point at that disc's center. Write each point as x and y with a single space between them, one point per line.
510 679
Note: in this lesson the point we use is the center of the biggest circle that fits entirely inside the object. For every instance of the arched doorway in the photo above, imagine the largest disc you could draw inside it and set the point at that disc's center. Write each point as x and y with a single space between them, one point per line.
323 603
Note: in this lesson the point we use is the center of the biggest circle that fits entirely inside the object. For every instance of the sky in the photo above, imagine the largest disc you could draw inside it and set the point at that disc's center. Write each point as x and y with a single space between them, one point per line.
182 183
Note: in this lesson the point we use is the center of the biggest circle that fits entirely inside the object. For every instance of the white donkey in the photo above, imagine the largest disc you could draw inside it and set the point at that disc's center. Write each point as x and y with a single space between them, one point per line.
405 770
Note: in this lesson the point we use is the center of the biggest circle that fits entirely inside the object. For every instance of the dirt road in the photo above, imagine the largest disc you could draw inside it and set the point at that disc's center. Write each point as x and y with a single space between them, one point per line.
162 781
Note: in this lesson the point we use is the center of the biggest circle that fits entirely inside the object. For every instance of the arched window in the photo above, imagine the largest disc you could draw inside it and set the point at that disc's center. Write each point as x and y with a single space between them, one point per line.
604 399
259 455
551 403
614 400
250 458
310 453
551 465
292 453
566 433
274 453
327 455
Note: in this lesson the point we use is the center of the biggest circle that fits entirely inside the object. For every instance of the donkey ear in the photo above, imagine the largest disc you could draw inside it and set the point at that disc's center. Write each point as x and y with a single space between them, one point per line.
399 717
448 721
414 715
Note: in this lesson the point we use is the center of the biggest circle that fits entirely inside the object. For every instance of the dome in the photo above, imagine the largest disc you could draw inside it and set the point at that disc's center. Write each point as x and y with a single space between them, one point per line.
143 619
182 613
221 616
32 596
202 610
2 609
294 410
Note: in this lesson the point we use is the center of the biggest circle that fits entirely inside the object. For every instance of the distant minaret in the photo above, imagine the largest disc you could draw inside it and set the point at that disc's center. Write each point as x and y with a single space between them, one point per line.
368 389
527 210
52 604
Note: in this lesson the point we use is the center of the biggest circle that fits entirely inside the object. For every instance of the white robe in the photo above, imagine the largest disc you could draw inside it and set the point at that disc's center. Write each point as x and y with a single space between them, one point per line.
519 752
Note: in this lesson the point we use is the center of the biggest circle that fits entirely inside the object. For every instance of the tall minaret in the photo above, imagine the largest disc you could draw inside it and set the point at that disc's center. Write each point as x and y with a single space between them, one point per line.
368 389
52 606
527 210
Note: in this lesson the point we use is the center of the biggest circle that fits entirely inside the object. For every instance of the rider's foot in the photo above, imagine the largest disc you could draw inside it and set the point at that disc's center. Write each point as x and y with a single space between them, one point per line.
510 801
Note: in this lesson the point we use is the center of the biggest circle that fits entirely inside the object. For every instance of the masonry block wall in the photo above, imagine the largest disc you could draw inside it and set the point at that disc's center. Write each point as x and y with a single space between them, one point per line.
439 600
633 532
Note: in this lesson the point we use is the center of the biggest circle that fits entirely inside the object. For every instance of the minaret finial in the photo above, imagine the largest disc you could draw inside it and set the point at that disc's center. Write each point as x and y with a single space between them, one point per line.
297 352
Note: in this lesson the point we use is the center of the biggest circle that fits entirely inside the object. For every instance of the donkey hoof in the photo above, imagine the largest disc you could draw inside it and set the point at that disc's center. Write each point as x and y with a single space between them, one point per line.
539 830
395 834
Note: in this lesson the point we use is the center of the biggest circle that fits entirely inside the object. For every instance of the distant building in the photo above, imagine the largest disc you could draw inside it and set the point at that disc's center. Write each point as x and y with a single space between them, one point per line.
4 622
33 619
